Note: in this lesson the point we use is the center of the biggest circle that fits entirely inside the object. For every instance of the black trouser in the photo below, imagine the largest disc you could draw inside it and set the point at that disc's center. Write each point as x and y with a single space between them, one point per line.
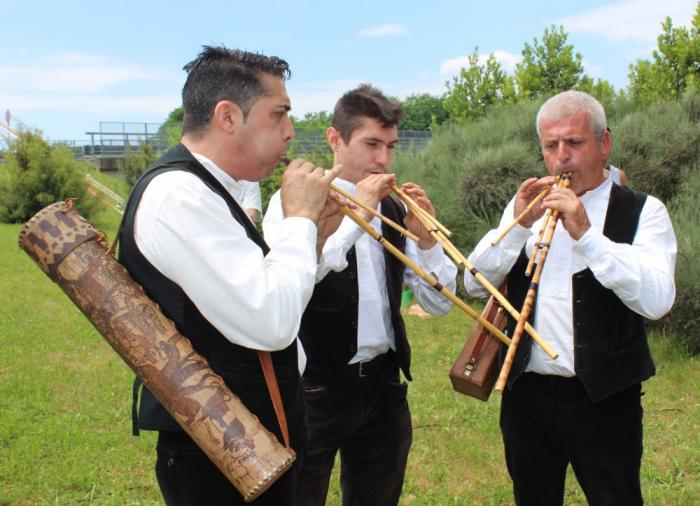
185 474
549 421
368 420
187 477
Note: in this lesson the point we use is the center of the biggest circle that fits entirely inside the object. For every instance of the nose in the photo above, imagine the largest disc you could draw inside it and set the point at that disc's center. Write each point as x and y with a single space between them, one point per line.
563 152
288 130
382 156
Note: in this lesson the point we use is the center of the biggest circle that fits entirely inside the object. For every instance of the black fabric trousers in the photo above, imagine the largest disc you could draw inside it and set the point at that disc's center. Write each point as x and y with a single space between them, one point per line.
368 420
187 477
548 422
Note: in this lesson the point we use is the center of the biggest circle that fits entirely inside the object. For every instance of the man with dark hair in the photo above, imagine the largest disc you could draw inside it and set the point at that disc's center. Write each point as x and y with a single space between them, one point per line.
610 265
187 241
352 330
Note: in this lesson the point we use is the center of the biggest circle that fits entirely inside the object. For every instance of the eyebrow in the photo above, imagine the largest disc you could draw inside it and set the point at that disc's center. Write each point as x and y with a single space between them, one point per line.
377 139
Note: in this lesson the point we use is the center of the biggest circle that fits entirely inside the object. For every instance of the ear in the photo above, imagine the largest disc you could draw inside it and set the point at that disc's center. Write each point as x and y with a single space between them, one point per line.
334 138
227 116
606 144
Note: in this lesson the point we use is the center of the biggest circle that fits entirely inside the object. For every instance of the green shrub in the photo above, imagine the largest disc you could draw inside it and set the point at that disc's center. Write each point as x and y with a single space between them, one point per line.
470 171
684 318
137 161
655 144
37 174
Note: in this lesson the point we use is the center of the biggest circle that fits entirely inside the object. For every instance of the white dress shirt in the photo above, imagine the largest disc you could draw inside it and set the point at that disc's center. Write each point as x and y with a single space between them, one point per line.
187 232
640 274
250 195
375 332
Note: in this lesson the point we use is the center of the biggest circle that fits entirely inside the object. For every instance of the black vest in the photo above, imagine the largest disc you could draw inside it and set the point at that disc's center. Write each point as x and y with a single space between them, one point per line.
238 366
329 325
611 351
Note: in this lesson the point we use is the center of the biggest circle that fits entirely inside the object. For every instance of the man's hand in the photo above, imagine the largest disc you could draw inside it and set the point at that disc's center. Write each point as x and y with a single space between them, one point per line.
572 214
304 191
371 190
413 224
528 190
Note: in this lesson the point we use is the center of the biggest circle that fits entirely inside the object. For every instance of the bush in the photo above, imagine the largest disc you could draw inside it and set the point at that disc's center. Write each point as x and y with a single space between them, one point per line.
137 161
654 145
37 174
684 318
470 171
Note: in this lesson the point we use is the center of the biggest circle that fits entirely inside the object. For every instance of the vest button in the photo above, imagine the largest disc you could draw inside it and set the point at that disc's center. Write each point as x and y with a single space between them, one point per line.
353 324
351 275
353 299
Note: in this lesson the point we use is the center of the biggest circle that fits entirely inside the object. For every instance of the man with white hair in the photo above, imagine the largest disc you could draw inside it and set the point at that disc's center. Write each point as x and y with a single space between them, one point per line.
610 265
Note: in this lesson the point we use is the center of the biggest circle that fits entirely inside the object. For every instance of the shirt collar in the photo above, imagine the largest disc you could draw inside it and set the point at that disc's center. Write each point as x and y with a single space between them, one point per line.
601 191
235 188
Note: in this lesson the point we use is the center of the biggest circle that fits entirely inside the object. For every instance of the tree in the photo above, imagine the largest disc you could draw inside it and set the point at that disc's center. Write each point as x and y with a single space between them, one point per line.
476 88
549 67
675 65
171 130
600 89
137 161
37 174
421 111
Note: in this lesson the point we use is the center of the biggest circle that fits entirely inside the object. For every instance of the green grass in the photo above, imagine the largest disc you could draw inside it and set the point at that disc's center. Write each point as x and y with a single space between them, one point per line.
65 433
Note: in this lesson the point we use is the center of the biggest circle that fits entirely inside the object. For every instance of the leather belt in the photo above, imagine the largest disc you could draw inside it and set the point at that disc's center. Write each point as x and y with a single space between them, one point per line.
369 367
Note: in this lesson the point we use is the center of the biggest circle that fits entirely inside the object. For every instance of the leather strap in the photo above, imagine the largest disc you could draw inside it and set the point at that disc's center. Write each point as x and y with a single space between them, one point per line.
495 307
274 389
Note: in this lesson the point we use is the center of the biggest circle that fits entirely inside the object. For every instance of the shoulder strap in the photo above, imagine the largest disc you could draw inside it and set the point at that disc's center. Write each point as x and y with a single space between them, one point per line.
274 389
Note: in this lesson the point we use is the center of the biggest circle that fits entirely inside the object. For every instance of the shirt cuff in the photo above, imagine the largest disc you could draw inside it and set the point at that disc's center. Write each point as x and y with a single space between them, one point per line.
590 245
515 239
432 256
301 227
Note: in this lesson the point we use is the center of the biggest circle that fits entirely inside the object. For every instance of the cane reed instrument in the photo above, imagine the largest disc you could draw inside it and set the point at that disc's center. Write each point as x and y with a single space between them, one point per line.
542 248
428 278
436 231
525 211
75 255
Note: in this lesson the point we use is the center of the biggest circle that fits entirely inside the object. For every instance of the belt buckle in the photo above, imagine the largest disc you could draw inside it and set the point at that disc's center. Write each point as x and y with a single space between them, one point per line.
361 370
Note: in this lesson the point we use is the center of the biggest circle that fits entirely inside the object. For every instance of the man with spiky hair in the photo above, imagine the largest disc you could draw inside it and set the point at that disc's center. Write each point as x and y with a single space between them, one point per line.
352 331
610 265
187 241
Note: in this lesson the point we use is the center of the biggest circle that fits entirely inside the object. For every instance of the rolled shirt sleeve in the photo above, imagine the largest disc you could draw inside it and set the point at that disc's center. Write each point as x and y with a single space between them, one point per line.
187 233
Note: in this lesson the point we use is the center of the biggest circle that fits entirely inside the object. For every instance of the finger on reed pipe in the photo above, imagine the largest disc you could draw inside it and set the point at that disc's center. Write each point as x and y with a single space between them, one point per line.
524 213
428 278
432 222
376 213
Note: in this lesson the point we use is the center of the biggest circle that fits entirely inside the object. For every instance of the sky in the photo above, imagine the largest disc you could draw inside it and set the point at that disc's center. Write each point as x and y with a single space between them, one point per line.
66 66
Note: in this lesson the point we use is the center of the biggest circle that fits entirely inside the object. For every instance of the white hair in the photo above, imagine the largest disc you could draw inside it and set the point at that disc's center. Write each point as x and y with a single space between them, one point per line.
571 102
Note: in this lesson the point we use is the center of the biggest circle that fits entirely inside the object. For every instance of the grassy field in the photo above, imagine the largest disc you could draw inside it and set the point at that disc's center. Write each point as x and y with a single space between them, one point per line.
65 433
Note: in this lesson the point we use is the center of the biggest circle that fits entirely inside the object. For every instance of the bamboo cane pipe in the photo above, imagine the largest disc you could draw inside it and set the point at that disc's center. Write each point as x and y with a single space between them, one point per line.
427 219
428 278
527 209
462 261
538 243
529 298
376 213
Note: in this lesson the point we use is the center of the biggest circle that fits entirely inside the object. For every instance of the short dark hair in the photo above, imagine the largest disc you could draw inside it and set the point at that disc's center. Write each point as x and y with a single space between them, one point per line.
364 101
219 73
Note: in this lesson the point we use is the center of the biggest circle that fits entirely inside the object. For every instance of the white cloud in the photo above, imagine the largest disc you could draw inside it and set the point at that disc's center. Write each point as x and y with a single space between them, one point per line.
155 104
393 29
507 60
637 20
72 73
317 96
